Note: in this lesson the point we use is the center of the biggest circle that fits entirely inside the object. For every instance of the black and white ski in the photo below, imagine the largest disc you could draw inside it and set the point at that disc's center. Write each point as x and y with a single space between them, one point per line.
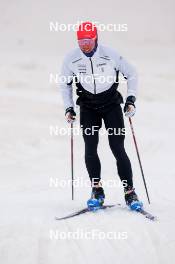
147 215
83 211
86 210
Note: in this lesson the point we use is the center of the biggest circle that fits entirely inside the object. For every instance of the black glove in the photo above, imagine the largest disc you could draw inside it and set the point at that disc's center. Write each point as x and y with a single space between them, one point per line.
72 114
71 111
129 101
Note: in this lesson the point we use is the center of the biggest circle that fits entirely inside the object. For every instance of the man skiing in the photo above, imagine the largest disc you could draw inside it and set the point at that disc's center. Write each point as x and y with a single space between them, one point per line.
98 101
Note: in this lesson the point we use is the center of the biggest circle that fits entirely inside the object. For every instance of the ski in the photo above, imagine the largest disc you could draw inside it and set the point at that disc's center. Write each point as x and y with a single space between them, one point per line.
86 210
147 215
83 211
140 211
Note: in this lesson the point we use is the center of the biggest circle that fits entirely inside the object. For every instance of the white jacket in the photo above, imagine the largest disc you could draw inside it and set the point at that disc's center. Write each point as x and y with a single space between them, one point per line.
96 74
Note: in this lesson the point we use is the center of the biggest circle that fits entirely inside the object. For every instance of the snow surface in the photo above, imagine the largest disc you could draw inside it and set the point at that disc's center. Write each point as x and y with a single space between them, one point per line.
30 157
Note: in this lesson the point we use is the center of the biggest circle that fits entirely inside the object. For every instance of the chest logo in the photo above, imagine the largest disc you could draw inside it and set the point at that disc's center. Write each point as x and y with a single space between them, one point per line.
82 68
101 64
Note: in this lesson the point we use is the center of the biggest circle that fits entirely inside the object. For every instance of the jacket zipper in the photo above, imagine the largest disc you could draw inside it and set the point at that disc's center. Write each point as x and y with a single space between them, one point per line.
93 75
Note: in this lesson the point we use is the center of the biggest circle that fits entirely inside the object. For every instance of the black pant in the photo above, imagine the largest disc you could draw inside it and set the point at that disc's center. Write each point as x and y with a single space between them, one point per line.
113 119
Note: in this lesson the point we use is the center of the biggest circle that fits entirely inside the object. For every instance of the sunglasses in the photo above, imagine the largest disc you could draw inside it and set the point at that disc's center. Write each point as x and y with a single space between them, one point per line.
86 42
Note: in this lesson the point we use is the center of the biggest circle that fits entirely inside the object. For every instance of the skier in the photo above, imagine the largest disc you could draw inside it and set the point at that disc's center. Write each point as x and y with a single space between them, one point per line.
100 101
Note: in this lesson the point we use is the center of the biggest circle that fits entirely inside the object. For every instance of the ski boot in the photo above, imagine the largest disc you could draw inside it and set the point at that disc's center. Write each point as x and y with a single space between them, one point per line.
97 199
132 200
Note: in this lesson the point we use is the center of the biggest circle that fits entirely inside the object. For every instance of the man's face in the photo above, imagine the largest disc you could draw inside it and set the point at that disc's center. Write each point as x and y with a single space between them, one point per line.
86 45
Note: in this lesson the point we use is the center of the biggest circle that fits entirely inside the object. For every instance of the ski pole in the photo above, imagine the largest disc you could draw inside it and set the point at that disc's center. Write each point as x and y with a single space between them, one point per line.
138 155
72 161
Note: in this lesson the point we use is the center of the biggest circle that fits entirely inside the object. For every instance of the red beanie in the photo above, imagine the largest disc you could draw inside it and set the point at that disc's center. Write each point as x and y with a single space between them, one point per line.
87 30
